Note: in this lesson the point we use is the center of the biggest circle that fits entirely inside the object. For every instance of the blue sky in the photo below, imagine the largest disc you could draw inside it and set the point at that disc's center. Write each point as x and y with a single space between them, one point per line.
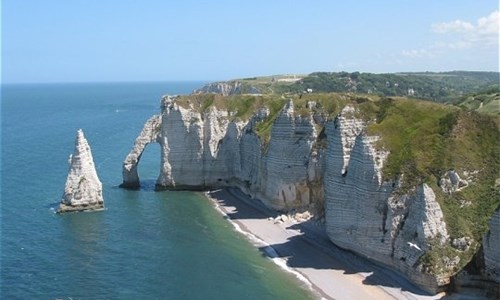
153 40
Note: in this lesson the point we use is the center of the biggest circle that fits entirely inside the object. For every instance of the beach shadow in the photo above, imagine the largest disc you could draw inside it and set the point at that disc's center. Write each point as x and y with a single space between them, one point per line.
332 257
301 251
244 209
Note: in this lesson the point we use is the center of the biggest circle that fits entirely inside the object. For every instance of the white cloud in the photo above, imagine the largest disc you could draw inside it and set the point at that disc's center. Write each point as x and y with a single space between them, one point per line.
414 53
454 26
489 24
483 33
460 34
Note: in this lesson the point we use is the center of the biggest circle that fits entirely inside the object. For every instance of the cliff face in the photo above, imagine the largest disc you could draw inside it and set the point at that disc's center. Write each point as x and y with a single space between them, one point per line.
481 277
221 88
83 190
284 175
201 151
367 215
491 246
338 168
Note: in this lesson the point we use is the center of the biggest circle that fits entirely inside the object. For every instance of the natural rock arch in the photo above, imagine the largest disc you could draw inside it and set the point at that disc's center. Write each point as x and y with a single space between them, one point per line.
150 134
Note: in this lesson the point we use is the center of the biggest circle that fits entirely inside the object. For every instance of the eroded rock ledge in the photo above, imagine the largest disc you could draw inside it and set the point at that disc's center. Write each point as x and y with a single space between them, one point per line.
83 190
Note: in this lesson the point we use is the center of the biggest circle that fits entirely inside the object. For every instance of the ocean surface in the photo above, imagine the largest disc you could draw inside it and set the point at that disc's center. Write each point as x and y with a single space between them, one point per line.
146 244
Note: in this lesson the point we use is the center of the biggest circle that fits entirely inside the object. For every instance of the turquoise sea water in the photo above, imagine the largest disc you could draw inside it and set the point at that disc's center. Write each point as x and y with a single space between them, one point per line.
146 245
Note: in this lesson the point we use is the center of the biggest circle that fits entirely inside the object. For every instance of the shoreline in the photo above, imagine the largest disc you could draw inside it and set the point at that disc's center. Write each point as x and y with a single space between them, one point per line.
303 249
265 248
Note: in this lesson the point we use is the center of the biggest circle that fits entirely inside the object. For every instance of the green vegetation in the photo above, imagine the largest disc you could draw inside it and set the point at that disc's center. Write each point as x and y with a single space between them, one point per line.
415 133
277 84
435 260
263 129
473 146
444 87
440 87
487 101
326 104
240 107
426 139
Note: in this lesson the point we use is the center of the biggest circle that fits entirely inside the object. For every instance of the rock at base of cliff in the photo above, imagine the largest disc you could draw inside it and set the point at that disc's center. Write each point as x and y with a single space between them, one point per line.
63 208
83 190
130 186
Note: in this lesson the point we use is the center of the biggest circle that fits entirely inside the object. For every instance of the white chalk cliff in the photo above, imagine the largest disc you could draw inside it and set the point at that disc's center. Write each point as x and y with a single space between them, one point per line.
295 170
83 190
222 88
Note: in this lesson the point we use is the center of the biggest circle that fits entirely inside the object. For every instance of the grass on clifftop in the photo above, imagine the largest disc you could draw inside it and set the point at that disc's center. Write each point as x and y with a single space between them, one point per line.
240 107
415 133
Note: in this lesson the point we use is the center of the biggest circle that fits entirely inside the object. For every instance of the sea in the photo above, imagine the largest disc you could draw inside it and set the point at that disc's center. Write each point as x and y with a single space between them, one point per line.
146 244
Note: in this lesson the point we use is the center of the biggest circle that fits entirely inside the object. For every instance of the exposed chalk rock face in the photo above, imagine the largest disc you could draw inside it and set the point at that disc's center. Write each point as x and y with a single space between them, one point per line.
349 127
182 144
215 128
250 153
356 202
251 158
366 215
462 243
200 151
286 163
149 134
421 225
481 278
228 153
83 190
491 248
451 182
222 88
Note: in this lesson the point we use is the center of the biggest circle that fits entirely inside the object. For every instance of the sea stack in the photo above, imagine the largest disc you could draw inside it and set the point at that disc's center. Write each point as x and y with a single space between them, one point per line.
83 191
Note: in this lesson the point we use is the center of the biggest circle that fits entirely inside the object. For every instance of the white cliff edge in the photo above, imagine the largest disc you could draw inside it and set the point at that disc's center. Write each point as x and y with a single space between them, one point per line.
83 190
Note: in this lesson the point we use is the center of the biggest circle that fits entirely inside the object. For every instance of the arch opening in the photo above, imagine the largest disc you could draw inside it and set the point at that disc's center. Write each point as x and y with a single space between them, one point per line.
148 166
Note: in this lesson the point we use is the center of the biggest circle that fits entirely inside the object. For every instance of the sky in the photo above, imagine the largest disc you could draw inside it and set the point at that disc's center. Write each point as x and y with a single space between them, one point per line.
165 40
